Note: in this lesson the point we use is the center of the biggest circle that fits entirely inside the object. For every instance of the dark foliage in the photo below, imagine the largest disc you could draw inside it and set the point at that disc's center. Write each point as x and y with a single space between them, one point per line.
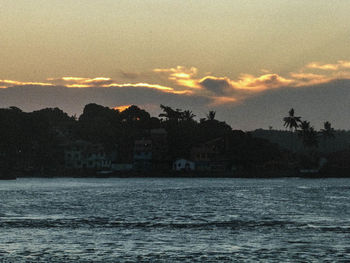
36 140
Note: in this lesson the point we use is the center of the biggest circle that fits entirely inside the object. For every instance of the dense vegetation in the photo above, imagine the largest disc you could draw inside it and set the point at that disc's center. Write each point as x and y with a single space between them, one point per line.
36 140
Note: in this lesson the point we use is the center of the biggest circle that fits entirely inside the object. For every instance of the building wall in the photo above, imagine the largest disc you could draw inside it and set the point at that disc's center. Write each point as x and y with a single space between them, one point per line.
183 164
85 155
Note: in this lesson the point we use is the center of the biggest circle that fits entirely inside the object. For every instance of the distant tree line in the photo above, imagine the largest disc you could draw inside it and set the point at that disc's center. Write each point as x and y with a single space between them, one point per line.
307 133
35 139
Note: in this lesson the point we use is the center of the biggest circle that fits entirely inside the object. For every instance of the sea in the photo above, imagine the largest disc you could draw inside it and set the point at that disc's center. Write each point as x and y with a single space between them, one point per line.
174 220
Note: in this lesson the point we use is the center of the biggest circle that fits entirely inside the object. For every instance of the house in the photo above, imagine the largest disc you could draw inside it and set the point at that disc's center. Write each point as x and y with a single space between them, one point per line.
151 153
118 165
183 165
85 155
209 156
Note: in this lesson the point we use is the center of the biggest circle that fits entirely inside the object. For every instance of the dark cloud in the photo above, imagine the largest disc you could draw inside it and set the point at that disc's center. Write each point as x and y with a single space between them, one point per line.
319 103
218 86
72 100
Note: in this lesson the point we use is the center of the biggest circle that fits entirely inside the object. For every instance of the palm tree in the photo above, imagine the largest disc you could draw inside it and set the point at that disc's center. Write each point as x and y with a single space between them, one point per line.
309 138
308 135
170 114
187 115
304 126
291 121
211 115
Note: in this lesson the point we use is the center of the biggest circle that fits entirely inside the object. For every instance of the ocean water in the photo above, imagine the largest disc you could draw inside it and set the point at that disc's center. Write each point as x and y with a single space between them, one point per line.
175 220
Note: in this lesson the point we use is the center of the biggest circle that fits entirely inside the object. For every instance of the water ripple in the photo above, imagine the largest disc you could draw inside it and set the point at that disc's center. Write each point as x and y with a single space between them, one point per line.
175 220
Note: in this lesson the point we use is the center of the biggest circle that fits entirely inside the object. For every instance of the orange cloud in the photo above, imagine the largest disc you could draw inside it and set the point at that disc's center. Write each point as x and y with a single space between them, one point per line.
151 86
77 82
5 83
182 76
187 77
224 90
341 64
261 83
219 90
223 86
316 65
307 79
121 108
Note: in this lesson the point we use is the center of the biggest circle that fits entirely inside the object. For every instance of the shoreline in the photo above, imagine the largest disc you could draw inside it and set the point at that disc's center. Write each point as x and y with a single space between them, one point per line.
150 176
245 174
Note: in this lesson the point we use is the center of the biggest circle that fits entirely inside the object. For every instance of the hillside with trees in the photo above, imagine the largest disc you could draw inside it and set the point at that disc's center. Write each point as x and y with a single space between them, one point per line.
35 143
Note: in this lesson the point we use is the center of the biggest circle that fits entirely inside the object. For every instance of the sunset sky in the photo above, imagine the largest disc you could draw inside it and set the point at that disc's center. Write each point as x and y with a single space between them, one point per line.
250 60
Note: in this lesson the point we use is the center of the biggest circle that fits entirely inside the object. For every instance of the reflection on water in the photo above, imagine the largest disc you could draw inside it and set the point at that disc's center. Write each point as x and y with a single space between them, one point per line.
178 220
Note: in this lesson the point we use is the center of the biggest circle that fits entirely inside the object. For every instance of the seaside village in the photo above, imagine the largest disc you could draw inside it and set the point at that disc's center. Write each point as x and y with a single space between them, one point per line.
149 154
108 142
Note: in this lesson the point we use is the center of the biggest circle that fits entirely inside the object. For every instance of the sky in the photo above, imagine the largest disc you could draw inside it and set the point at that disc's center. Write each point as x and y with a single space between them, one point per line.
249 60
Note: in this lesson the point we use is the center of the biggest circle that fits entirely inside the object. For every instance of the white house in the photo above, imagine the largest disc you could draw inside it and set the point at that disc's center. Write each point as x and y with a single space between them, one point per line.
183 165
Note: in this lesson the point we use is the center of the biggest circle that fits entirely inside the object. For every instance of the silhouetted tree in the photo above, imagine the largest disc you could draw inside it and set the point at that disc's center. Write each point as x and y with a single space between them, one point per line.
182 130
308 135
327 131
211 115
135 114
37 139
187 115
291 122
99 124
170 114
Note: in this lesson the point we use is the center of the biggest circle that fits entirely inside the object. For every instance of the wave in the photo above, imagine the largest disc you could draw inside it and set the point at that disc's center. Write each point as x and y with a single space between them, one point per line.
110 223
